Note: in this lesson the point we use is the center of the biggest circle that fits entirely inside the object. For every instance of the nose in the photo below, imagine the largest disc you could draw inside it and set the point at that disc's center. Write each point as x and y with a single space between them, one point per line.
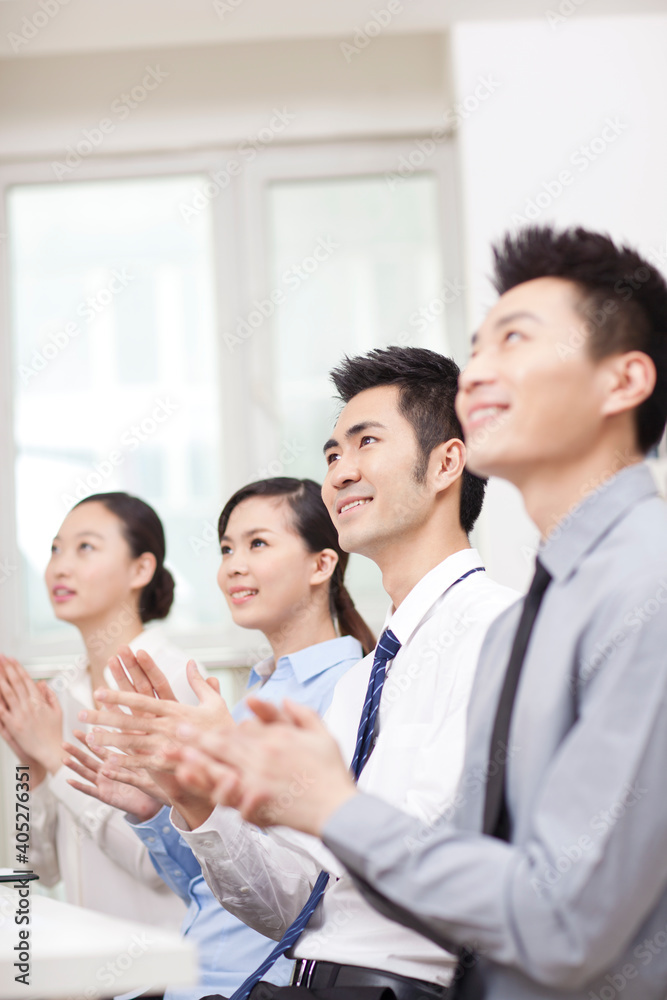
343 471
235 564
478 371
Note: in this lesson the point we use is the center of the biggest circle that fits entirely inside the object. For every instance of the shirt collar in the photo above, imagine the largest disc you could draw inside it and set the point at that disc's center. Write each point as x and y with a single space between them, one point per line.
414 608
311 661
582 528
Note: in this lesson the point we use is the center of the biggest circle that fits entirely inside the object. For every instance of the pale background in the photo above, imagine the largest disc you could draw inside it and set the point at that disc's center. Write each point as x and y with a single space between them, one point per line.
558 72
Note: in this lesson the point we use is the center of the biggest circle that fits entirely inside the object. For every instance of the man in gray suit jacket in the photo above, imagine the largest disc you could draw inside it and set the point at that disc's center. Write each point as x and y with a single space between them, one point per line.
549 871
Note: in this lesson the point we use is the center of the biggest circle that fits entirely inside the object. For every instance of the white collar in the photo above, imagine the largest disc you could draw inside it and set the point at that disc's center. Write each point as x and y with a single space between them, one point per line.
409 615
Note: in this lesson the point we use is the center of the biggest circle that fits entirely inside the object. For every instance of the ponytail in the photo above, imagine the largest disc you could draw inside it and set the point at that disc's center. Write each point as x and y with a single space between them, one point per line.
349 620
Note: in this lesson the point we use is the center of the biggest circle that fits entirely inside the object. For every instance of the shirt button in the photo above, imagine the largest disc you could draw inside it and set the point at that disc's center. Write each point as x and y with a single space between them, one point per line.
177 872
151 840
245 890
166 830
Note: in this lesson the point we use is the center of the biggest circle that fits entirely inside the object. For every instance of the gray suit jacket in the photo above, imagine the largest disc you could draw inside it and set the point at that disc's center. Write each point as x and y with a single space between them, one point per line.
576 905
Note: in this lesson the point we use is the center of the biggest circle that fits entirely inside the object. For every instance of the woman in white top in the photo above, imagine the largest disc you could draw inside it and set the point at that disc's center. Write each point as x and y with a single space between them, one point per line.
106 576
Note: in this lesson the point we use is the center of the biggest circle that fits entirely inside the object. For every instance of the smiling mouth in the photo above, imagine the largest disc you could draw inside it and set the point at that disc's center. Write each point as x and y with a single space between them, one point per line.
241 596
485 414
354 503
63 593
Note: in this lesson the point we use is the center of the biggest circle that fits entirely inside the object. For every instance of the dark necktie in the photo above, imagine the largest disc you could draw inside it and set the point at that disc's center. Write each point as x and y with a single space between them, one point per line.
496 815
386 650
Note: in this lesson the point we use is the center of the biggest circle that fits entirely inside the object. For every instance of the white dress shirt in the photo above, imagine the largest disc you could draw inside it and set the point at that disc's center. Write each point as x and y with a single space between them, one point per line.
416 763
88 844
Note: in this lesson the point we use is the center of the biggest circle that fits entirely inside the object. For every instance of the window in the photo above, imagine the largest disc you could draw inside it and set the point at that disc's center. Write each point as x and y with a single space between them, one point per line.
179 354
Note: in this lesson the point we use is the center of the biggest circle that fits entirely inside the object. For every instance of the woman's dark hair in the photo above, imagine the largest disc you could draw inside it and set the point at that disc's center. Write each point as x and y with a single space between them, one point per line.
143 532
315 527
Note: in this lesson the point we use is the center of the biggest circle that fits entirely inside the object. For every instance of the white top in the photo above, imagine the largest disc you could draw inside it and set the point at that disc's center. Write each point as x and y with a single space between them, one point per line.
88 844
266 879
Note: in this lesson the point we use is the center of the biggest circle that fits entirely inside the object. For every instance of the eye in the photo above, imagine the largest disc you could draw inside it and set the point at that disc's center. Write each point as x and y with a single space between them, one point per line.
86 547
366 439
257 543
54 549
226 550
513 335
331 457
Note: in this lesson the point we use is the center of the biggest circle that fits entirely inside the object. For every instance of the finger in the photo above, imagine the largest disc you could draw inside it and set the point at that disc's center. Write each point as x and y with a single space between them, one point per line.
117 671
227 789
136 743
214 683
86 789
192 776
155 677
198 683
49 696
84 758
303 717
117 720
137 702
9 695
83 772
266 711
136 672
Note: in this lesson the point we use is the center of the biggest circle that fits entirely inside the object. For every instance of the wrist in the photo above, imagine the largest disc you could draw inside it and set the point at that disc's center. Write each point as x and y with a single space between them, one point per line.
329 806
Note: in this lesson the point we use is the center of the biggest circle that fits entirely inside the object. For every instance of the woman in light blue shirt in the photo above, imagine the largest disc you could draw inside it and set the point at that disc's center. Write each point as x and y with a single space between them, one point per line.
282 572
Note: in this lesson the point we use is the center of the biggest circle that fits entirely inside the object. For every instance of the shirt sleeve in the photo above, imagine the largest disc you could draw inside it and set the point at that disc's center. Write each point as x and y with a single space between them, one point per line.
43 828
105 826
259 877
172 859
564 903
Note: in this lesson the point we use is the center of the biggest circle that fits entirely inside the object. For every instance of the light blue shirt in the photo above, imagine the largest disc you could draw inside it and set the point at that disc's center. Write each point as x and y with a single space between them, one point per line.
228 950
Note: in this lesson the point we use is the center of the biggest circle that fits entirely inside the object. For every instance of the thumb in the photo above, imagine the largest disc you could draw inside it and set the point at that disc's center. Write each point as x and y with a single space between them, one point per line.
197 682
214 683
48 694
303 717
266 710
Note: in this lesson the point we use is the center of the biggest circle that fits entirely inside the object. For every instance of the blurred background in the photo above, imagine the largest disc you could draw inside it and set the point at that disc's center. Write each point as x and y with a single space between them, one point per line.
206 203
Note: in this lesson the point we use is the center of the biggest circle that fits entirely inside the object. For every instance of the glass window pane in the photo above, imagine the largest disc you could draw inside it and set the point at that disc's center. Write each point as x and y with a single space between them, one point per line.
116 386
359 263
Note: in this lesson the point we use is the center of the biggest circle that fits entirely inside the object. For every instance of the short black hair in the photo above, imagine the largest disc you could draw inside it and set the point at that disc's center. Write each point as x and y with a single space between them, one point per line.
623 299
427 384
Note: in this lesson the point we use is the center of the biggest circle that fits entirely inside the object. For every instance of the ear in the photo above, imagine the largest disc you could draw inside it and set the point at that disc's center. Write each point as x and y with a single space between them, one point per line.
446 463
631 379
325 563
144 567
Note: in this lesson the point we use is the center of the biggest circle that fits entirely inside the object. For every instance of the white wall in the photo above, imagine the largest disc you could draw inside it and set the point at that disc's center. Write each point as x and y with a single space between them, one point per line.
217 94
557 88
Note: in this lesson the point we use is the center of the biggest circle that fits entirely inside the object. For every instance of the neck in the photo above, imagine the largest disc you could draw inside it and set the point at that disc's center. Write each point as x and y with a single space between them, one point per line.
104 636
552 492
309 624
403 563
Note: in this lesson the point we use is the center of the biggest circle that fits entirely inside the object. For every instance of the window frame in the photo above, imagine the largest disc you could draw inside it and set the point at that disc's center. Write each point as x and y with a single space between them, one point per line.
241 265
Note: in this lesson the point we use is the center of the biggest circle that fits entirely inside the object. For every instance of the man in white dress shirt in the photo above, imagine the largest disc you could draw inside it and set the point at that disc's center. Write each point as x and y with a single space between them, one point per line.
398 492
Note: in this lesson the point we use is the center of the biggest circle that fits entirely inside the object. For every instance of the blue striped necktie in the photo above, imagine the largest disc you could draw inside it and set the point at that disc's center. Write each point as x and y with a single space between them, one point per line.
386 650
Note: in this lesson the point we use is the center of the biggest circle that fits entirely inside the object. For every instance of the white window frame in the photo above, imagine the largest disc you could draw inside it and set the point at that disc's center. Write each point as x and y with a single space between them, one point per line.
241 262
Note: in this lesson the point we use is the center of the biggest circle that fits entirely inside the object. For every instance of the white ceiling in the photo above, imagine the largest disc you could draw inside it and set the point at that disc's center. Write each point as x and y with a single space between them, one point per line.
77 26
